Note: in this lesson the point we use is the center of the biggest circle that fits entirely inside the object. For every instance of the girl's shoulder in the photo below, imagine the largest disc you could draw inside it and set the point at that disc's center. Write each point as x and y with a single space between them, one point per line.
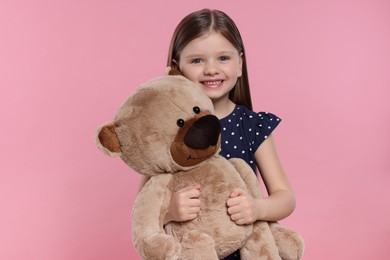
245 126
243 114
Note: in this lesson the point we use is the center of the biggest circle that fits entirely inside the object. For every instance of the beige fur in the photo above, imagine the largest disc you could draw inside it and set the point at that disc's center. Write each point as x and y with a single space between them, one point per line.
154 131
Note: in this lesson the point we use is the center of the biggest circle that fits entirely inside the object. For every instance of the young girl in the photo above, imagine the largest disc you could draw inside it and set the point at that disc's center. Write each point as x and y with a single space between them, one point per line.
207 48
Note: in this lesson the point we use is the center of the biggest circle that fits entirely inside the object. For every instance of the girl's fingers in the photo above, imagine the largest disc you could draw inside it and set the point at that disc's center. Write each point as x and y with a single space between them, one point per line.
191 187
236 192
194 210
192 216
192 191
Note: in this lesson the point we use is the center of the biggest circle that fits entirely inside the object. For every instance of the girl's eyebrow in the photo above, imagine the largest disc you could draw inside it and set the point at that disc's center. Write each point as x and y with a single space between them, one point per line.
226 52
192 56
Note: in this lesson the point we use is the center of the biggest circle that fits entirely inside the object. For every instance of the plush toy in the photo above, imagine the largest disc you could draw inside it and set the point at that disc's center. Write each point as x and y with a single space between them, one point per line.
166 130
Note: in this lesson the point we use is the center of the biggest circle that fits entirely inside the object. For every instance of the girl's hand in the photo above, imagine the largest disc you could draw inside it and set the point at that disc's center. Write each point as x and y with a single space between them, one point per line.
184 205
242 208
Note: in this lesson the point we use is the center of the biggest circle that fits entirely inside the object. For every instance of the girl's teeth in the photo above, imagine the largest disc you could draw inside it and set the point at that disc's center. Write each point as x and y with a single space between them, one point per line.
213 82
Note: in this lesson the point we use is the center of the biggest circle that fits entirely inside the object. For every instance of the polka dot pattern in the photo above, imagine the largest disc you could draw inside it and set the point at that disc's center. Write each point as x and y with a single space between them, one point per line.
243 131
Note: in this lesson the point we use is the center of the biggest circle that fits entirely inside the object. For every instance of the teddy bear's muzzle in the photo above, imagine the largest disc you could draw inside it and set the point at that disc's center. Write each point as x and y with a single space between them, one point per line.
203 133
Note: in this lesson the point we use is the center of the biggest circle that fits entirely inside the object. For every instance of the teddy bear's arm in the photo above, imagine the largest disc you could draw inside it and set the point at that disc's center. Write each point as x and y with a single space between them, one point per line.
289 243
261 244
247 175
149 210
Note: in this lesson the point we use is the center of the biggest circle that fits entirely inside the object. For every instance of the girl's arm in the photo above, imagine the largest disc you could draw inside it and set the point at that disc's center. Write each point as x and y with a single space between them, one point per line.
281 200
280 203
184 205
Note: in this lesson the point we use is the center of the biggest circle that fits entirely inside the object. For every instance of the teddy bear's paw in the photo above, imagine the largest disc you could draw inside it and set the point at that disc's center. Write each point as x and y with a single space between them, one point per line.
289 243
261 244
198 246
161 246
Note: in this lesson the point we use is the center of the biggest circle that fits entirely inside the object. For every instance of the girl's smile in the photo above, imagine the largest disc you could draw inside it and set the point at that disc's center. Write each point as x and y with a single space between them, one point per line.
213 84
213 63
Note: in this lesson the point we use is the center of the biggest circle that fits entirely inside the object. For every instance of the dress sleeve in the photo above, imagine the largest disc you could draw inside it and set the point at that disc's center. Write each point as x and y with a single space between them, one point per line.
265 124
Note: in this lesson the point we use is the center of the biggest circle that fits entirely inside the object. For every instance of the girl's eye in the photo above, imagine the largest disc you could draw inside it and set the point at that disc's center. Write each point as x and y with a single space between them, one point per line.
196 61
224 58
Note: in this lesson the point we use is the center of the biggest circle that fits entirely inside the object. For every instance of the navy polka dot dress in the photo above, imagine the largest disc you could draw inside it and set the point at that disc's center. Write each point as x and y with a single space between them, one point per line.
243 131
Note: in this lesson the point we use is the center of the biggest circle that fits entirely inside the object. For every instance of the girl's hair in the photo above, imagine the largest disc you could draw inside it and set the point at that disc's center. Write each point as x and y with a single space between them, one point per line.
199 23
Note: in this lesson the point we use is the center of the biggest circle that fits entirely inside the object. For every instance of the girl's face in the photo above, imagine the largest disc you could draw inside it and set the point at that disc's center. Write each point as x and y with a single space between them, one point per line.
213 63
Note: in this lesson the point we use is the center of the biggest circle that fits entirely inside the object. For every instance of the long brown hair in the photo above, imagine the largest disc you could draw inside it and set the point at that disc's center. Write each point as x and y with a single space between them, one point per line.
201 22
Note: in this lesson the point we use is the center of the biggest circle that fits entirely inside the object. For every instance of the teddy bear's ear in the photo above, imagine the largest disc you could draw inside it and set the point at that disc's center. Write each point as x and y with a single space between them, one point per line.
174 72
107 140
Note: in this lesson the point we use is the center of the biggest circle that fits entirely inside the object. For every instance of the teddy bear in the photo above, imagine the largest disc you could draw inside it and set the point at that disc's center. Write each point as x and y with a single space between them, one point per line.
166 130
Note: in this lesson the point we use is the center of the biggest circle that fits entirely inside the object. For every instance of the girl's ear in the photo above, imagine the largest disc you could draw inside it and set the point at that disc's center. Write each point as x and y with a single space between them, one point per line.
241 63
107 140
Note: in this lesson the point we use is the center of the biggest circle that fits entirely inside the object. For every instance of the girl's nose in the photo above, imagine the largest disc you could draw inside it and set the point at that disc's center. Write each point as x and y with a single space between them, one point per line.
211 68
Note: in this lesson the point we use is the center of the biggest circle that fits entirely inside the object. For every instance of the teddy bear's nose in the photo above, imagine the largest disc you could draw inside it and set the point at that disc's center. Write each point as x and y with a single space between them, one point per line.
203 133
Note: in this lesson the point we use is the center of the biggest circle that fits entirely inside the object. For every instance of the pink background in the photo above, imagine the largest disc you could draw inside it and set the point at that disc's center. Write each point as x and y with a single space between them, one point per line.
65 66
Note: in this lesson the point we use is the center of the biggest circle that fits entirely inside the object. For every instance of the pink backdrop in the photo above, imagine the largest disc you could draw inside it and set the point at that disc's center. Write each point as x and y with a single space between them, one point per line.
65 66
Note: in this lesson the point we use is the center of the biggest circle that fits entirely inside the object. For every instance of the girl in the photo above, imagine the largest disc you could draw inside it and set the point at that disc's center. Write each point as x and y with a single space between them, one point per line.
207 48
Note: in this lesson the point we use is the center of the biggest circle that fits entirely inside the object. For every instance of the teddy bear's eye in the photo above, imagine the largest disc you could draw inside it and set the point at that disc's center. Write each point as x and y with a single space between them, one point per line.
180 122
196 110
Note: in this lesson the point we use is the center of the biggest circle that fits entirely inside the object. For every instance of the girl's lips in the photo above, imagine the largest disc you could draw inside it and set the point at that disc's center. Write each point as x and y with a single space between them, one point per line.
212 83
